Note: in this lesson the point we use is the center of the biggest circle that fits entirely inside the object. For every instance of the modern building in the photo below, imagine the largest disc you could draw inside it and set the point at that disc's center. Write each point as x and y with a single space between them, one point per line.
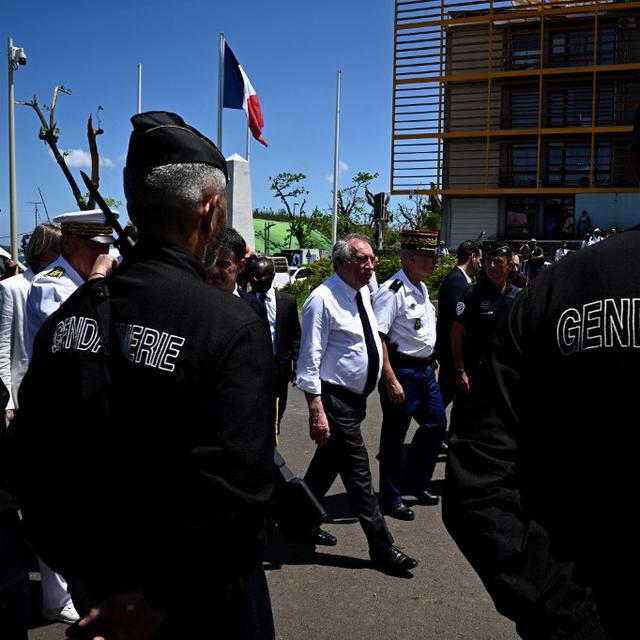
518 113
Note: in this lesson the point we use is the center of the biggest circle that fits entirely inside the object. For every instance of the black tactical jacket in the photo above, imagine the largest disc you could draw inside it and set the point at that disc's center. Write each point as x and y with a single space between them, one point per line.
541 490
148 460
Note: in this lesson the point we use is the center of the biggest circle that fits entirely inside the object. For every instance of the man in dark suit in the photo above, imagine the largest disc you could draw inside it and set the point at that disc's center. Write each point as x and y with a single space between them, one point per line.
469 255
282 315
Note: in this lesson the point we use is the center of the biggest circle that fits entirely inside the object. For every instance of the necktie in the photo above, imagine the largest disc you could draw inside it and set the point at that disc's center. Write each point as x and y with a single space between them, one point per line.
262 299
372 352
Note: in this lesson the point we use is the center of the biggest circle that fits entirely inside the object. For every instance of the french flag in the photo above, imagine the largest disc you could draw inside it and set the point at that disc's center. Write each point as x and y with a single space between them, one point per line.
239 94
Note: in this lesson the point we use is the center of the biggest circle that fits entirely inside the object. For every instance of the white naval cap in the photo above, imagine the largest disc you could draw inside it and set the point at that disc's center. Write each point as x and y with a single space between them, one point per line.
91 224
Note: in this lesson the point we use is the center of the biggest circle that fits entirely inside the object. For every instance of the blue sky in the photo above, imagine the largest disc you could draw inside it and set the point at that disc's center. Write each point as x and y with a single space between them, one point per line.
290 50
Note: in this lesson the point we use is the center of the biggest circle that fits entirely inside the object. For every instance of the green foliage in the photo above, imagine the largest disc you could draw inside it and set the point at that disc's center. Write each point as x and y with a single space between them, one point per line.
424 214
289 186
352 210
391 264
387 266
319 271
439 274
110 202
270 214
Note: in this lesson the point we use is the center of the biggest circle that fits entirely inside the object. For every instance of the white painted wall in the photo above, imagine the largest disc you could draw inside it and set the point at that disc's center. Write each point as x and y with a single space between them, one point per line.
239 208
469 217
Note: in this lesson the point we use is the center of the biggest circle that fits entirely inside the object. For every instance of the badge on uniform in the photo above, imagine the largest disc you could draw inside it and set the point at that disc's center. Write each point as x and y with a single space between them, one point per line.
418 324
486 305
459 308
56 272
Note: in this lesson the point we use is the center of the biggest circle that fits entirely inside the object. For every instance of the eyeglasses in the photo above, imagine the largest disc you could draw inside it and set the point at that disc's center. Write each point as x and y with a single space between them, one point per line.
362 260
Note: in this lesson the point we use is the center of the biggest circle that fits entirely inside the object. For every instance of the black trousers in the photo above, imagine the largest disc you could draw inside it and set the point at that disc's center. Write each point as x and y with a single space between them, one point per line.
14 581
346 455
217 608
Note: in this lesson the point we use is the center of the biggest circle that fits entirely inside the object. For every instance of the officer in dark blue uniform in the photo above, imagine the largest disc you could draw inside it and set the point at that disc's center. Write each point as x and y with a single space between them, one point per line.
408 387
477 316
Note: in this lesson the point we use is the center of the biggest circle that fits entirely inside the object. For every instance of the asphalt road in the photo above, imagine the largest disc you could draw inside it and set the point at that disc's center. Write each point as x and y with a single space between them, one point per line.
334 593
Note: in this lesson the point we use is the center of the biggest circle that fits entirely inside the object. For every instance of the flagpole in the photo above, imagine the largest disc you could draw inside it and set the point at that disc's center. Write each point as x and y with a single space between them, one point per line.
334 213
248 140
139 88
220 89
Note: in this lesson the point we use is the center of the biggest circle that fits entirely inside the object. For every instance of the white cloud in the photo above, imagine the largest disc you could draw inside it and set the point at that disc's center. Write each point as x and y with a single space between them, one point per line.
81 159
343 167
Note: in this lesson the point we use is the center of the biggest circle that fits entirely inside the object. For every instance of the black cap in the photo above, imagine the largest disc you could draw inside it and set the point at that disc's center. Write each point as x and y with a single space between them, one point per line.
160 138
499 248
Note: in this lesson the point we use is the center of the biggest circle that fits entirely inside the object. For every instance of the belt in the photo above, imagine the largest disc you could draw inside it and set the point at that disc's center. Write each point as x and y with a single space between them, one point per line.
411 361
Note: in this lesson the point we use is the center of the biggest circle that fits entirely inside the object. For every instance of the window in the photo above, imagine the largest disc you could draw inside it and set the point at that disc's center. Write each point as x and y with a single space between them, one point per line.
574 48
523 107
568 164
525 50
520 217
559 218
519 165
571 106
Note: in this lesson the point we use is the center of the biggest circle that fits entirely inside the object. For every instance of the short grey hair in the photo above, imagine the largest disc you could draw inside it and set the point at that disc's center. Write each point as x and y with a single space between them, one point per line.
342 252
162 195
45 238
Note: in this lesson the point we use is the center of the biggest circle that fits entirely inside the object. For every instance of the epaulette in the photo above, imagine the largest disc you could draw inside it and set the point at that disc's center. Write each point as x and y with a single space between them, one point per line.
56 272
395 285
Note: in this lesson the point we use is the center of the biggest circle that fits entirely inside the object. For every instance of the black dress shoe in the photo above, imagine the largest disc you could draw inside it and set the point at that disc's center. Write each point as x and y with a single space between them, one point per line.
322 538
424 497
400 512
392 560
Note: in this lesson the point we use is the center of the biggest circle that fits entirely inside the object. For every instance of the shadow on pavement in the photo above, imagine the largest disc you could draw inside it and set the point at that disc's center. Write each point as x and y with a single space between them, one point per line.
282 552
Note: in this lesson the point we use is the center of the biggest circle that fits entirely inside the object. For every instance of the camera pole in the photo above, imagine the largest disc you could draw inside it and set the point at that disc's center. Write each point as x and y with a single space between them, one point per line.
12 158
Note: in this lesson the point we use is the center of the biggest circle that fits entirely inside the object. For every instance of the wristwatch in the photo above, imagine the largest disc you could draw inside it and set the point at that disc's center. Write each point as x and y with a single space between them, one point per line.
459 372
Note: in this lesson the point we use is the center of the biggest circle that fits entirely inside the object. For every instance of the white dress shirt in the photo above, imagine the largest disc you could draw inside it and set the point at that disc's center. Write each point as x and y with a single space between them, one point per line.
270 305
49 289
465 274
332 345
407 316
13 333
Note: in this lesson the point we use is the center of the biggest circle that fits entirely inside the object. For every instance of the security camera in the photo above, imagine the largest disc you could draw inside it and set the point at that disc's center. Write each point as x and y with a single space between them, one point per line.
18 56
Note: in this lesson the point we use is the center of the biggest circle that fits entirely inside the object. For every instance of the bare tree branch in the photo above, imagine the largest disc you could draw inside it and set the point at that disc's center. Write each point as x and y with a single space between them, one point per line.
92 134
49 136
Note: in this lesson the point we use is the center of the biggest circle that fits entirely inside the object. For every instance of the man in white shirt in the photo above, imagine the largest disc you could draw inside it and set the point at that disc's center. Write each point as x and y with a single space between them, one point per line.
407 325
561 251
338 366
42 249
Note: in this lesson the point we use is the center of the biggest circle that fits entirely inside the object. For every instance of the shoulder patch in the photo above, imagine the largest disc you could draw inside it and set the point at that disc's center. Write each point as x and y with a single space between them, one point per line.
395 285
56 272
459 308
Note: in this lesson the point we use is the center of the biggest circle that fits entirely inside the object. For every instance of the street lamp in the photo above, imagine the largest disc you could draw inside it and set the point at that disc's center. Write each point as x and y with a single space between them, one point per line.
17 57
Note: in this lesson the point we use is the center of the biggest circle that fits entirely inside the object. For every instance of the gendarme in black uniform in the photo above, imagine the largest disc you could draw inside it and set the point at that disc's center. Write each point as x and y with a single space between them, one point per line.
166 443
480 310
171 467
541 490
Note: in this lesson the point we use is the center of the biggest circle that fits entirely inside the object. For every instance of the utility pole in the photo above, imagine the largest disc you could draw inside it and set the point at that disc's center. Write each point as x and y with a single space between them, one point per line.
16 56
35 215
336 166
